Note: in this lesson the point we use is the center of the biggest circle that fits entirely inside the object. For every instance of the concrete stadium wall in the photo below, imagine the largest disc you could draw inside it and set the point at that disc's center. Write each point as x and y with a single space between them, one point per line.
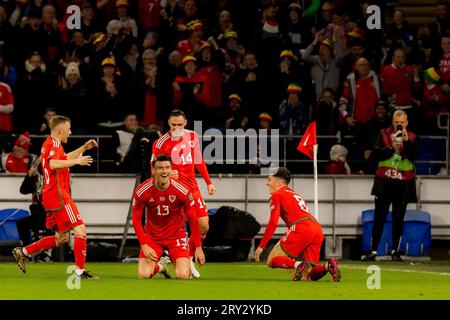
103 200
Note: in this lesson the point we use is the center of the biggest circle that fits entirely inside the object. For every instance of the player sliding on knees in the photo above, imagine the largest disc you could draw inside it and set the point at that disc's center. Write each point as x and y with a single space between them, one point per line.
61 212
183 147
299 248
165 200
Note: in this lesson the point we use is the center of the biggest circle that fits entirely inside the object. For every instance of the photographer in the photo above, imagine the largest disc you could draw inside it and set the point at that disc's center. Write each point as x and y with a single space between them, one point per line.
394 182
140 151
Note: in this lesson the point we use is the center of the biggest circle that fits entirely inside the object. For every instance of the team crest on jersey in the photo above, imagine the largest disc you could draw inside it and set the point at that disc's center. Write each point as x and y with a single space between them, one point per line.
172 198
52 153
162 199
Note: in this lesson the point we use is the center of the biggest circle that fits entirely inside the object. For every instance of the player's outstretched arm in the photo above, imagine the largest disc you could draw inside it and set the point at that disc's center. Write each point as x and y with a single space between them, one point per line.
87 146
195 233
61 164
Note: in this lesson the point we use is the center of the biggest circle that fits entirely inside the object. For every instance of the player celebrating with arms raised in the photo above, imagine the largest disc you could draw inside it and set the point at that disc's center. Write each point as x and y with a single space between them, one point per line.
164 199
62 213
299 248
183 147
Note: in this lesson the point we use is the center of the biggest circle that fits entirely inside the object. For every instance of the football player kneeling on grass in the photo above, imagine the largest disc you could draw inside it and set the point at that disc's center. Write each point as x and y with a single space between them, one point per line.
165 200
299 248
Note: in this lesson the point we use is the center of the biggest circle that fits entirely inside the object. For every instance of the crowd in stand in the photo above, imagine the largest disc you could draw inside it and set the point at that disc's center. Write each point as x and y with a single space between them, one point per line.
233 64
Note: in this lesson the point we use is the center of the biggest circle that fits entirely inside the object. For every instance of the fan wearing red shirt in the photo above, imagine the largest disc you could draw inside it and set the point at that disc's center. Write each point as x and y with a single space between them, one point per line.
299 248
61 212
183 147
168 203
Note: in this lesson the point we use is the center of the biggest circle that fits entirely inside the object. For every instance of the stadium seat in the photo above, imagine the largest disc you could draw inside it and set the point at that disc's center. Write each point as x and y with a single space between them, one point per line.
416 237
8 228
385 245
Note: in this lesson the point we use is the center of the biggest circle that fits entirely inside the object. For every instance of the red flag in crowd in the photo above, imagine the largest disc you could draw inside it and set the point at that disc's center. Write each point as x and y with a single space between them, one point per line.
308 140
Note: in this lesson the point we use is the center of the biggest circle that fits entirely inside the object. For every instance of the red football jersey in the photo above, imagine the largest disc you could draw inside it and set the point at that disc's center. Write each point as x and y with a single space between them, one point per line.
149 13
165 218
56 187
290 206
6 97
186 157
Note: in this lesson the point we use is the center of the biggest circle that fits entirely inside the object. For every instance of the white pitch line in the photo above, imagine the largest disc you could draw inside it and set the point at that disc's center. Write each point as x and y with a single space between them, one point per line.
398 270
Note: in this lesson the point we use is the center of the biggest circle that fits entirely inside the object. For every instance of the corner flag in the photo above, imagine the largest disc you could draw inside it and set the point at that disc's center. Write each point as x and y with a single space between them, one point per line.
308 141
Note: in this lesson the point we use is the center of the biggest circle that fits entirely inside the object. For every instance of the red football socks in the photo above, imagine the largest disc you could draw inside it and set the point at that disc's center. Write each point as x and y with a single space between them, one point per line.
43 244
317 272
283 262
79 249
155 270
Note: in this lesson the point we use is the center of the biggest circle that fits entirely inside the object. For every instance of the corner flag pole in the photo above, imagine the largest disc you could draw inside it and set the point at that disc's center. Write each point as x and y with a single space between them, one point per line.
316 190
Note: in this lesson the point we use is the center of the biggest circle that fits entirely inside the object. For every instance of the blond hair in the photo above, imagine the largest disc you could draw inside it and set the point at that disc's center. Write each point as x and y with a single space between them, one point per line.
399 113
57 120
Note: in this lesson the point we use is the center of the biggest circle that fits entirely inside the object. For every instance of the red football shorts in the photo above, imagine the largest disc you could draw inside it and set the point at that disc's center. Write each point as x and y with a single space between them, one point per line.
200 207
303 241
177 247
64 219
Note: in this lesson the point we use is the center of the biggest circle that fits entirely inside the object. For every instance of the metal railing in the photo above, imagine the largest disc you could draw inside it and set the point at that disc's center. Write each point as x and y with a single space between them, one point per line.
104 157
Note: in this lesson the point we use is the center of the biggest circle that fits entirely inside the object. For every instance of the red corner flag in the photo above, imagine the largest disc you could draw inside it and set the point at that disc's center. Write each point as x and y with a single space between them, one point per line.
308 141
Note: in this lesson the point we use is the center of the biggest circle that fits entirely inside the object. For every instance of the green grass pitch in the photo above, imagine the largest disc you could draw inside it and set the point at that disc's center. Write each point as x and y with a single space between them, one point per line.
399 280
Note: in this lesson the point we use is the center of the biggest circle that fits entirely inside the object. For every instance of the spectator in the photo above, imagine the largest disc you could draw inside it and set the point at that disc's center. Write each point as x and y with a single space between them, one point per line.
210 71
170 11
186 89
89 24
150 74
44 125
400 82
33 89
149 14
298 30
370 132
357 50
400 30
338 161
52 36
327 114
32 39
123 136
224 25
234 52
8 73
395 150
338 30
123 24
108 95
325 17
6 108
441 24
294 115
441 63
76 50
325 67
194 42
248 82
265 121
236 116
188 15
361 92
72 100
433 102
19 160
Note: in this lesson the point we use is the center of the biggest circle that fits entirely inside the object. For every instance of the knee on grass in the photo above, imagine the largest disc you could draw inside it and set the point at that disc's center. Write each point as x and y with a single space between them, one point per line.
182 274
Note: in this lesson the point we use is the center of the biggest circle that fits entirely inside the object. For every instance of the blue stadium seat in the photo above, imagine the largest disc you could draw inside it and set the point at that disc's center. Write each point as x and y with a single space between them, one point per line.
385 245
416 237
8 227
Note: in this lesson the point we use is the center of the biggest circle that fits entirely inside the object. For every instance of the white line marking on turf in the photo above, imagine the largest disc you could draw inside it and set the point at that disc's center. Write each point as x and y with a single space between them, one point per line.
397 270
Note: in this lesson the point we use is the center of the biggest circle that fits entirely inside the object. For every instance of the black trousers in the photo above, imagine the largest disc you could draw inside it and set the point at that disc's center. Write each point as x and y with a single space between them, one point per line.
382 205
